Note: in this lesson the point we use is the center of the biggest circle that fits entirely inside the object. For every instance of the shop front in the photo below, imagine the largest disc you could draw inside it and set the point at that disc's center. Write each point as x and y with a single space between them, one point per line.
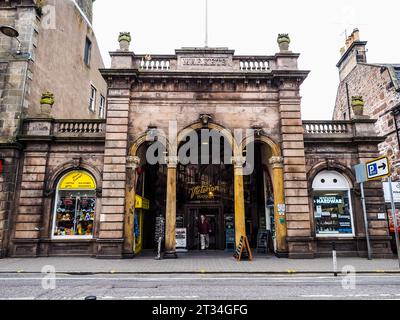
75 206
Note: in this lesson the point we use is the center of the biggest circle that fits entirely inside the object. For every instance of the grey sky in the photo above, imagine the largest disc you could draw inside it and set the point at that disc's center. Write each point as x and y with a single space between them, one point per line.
316 28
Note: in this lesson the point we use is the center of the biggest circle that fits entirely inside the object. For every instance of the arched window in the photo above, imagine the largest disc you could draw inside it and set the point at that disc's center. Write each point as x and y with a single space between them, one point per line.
332 205
75 205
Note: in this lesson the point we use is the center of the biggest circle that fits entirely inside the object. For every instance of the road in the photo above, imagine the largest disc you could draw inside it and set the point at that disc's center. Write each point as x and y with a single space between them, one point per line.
193 287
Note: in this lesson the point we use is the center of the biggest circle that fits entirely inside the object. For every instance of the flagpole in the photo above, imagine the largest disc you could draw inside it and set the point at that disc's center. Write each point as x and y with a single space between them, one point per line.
206 40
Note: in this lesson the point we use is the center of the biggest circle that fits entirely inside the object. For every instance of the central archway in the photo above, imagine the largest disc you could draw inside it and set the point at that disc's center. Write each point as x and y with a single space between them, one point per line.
271 158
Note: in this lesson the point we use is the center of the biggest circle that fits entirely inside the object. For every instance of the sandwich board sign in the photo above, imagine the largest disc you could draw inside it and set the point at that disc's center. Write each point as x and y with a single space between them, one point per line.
378 168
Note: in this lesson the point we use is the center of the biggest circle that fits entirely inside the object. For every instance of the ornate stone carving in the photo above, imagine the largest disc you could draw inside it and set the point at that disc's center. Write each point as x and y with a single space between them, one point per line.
172 161
76 162
205 119
276 162
238 161
132 162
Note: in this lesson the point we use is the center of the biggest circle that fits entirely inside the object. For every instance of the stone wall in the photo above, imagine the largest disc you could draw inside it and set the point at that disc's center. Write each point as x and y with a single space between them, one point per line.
87 8
46 157
10 159
59 64
374 84
342 154
14 69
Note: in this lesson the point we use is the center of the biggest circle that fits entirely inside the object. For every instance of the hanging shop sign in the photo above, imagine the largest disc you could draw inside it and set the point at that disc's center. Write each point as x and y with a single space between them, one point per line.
142 203
203 191
77 180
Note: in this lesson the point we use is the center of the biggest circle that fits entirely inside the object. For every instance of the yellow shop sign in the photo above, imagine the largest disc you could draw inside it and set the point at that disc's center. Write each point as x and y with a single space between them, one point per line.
77 180
142 203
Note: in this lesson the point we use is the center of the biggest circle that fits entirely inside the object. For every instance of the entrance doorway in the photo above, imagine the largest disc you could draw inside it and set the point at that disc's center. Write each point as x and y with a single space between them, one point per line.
213 213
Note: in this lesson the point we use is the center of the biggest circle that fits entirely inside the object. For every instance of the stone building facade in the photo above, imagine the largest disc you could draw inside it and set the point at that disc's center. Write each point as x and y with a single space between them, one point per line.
53 38
90 187
379 87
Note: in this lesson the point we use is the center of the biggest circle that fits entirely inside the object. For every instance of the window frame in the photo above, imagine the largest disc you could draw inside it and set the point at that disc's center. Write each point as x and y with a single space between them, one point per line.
328 190
102 107
87 53
54 214
92 100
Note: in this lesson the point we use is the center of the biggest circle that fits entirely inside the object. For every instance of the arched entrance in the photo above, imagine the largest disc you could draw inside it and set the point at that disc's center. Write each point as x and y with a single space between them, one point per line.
268 166
214 188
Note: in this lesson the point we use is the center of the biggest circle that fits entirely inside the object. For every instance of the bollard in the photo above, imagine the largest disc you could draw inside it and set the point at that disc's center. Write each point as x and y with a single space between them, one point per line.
334 258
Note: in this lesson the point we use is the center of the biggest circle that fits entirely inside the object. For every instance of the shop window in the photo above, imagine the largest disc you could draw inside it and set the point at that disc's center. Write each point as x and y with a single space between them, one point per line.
75 206
332 205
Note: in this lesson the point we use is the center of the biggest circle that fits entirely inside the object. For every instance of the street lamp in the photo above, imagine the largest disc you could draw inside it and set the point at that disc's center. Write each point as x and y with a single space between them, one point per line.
12 33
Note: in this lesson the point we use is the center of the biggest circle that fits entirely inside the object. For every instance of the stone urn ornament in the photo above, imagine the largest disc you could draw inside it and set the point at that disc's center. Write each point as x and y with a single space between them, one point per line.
283 42
124 40
357 104
46 103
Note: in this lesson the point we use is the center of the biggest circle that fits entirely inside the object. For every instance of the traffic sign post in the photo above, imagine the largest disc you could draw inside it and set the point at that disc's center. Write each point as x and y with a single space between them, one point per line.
373 170
361 178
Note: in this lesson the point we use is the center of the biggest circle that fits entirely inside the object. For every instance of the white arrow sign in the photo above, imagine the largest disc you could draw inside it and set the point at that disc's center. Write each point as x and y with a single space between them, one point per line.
378 168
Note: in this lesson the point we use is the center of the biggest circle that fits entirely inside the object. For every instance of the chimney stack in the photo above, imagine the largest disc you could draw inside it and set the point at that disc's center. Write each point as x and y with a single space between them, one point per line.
353 53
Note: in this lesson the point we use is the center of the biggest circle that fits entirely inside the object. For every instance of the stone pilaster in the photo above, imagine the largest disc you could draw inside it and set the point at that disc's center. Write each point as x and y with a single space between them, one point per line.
170 225
132 164
295 179
111 233
240 223
29 212
279 200
10 157
374 200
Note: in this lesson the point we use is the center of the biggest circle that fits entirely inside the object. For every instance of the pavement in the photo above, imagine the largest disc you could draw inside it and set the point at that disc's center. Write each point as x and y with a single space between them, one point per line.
197 263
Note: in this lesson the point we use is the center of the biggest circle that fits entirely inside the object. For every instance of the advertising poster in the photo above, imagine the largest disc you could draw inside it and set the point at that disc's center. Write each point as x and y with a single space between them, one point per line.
391 225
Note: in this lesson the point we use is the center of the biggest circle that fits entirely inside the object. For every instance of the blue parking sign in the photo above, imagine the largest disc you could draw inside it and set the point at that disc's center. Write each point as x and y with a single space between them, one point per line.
373 169
378 168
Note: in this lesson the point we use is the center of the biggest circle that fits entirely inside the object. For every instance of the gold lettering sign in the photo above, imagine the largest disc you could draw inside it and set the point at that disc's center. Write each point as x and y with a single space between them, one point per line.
203 191
77 180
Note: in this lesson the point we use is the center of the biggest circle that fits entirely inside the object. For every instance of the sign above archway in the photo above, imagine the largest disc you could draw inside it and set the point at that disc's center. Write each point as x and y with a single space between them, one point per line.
77 180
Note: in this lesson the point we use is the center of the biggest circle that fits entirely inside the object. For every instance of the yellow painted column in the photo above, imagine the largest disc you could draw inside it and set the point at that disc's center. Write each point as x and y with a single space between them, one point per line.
240 223
170 220
132 164
279 205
